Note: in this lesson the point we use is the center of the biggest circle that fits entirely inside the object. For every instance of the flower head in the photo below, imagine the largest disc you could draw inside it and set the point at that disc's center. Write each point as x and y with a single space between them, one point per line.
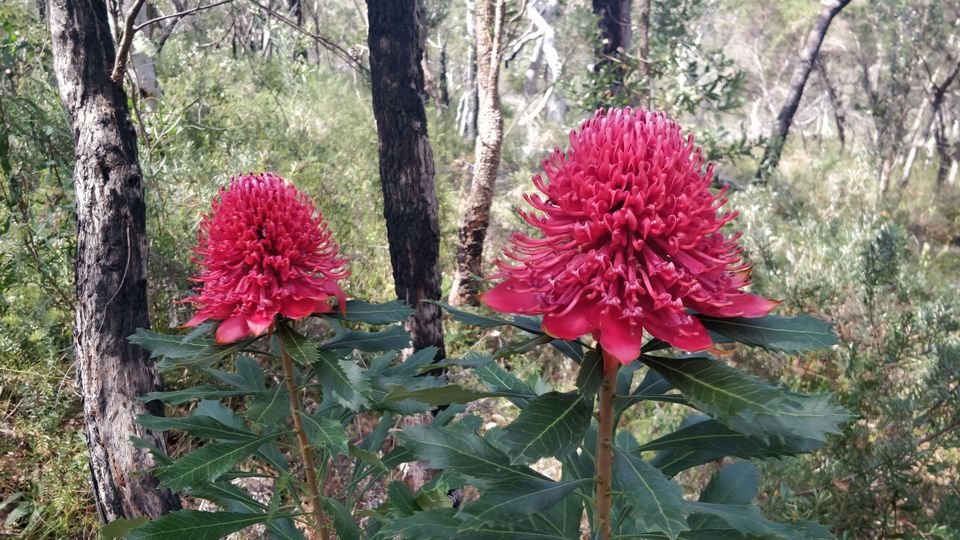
264 251
630 241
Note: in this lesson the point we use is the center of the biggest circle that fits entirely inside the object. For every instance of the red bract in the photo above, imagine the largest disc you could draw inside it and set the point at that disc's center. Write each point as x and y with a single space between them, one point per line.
630 241
264 251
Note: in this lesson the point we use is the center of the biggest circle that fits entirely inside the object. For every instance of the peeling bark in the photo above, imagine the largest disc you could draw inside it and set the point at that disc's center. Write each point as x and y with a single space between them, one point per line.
478 195
111 268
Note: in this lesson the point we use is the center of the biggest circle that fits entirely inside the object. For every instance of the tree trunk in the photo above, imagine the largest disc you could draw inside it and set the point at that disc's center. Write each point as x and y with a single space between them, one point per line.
111 271
839 118
615 37
936 103
478 196
643 51
808 56
142 69
406 163
467 107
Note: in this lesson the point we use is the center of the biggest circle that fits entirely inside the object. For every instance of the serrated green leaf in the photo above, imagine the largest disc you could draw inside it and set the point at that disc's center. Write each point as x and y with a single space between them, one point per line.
300 348
344 380
393 338
402 501
207 463
440 395
118 528
734 483
748 405
550 425
462 451
201 426
473 319
439 523
270 407
517 496
206 356
472 359
360 311
654 501
720 441
326 433
787 334
367 456
168 345
343 522
590 376
748 520
196 525
204 391
497 379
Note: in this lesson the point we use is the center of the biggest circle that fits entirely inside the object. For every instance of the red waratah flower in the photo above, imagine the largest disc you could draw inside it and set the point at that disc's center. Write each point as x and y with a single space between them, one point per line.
631 241
264 251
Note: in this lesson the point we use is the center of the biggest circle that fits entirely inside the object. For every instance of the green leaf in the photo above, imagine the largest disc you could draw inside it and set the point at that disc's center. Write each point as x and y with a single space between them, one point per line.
590 376
360 311
167 345
452 447
470 360
206 356
719 441
550 425
118 528
204 391
207 463
325 433
734 483
196 525
270 407
368 457
401 499
787 334
439 523
517 496
748 405
497 379
395 337
300 348
655 502
440 395
201 426
749 521
343 522
344 380
472 319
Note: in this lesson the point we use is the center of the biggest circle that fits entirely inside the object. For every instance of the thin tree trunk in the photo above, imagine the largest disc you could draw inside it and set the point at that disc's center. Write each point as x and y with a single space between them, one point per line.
839 118
936 103
643 51
467 107
808 56
406 163
478 196
111 271
615 37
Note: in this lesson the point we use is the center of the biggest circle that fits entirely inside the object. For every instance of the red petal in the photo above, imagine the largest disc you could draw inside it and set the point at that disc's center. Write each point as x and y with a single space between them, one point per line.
258 323
619 338
740 305
570 325
691 336
506 299
232 329
300 308
197 319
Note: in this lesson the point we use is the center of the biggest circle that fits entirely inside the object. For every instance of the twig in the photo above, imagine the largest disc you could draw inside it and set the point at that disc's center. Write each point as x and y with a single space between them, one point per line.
199 7
327 44
120 64
939 432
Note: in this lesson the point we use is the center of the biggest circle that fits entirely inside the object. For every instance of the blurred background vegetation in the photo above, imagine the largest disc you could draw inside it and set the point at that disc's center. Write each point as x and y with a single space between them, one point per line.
838 231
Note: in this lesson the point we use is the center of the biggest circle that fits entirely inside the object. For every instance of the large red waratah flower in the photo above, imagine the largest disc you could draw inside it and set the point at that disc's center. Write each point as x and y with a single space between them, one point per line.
264 251
630 241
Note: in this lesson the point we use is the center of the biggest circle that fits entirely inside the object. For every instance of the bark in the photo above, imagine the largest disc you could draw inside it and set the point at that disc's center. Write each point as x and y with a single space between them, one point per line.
406 163
839 118
111 268
478 196
467 107
615 37
808 57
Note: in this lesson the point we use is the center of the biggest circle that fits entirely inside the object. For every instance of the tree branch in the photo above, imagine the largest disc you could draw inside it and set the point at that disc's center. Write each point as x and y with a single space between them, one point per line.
120 63
180 14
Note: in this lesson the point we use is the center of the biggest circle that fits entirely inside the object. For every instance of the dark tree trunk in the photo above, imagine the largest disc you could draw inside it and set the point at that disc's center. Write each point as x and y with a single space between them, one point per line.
615 38
478 195
406 163
111 272
808 57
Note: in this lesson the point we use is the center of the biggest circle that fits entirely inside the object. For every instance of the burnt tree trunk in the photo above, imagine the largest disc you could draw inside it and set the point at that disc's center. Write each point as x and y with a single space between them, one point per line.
478 195
805 64
406 163
615 37
111 268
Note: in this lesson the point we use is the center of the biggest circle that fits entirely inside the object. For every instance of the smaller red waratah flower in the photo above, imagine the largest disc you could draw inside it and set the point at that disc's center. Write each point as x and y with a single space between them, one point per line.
630 241
264 251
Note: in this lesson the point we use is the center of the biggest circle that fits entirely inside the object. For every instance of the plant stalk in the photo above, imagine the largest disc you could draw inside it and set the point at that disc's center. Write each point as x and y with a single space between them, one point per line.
604 497
309 463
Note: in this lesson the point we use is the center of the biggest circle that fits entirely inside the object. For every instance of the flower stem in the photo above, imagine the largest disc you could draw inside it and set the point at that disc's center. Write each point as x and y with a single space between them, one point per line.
605 449
309 464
